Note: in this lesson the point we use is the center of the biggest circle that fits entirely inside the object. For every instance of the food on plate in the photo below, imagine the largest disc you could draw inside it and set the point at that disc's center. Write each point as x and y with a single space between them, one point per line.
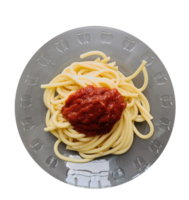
93 107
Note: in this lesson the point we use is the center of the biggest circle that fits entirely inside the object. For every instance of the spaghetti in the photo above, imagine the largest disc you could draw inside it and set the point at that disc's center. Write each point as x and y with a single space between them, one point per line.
98 73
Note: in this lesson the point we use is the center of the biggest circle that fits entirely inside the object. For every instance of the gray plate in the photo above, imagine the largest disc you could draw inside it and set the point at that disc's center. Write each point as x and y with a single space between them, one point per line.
51 59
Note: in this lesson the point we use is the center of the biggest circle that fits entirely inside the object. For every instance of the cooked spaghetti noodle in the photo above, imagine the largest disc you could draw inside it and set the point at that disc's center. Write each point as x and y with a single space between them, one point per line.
98 73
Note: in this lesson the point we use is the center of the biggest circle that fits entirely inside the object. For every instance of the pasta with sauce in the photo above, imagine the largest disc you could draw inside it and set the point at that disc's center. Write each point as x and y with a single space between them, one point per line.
96 74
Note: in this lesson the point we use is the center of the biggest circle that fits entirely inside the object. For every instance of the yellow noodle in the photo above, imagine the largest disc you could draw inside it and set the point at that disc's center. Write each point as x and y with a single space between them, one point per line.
98 73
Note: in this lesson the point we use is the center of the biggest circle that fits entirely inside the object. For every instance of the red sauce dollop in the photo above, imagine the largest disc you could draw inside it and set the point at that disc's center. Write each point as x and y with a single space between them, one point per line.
93 111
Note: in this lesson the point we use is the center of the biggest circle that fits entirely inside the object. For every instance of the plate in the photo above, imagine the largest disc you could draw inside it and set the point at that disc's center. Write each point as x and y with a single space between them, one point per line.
50 60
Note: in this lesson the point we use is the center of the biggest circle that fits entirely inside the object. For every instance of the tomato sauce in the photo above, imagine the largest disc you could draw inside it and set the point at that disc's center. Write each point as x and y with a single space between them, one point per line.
94 110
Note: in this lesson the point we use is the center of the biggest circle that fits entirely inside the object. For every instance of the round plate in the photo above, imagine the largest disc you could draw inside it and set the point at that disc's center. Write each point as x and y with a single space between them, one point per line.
50 60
